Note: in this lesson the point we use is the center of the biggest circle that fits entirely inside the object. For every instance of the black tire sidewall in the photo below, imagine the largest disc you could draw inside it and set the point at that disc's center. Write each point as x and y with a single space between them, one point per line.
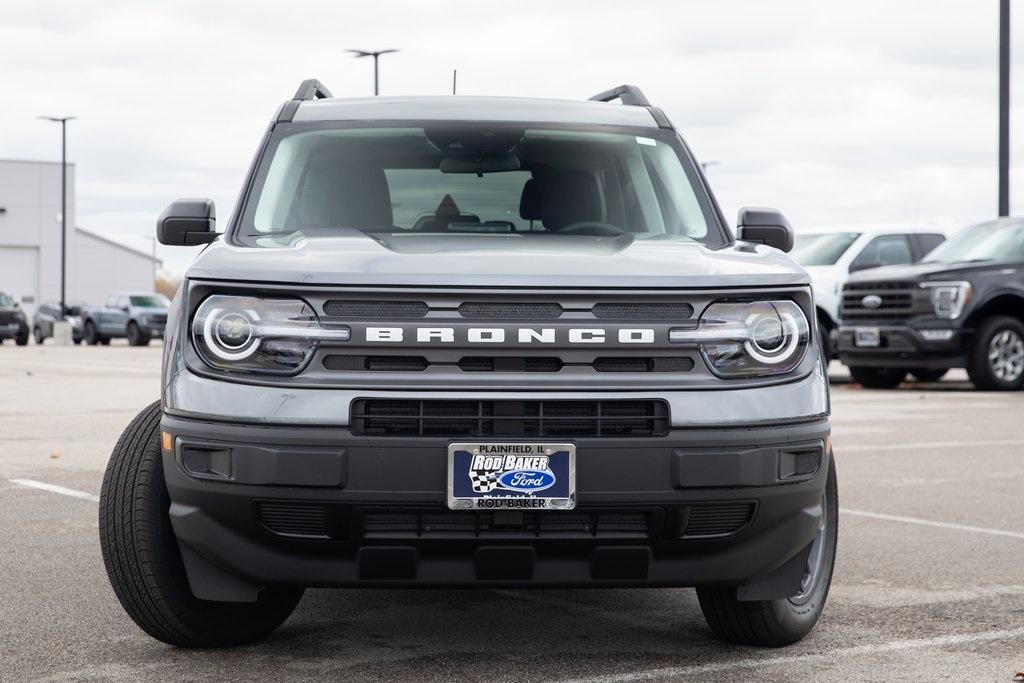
90 335
878 378
980 368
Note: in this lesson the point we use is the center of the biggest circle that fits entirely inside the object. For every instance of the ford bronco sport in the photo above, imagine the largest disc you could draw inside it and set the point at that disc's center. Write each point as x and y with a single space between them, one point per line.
468 341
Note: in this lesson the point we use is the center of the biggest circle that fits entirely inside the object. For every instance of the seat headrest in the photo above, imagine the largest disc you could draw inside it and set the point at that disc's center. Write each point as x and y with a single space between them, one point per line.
347 196
561 198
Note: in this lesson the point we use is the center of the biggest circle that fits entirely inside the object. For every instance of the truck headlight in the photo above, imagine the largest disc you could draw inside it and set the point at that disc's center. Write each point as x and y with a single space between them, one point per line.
253 334
949 298
749 339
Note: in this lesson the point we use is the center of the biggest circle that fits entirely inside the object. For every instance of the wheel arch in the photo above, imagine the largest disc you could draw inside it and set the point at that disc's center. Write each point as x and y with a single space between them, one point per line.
1000 303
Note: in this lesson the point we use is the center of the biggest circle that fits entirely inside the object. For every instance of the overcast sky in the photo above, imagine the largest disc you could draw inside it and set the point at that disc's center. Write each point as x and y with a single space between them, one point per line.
834 112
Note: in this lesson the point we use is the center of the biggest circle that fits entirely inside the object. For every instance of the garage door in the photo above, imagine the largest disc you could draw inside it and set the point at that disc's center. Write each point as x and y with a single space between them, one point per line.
19 275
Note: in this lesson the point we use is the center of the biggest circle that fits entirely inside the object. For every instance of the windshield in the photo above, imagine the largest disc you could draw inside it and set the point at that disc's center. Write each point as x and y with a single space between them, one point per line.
474 178
994 241
150 301
822 249
6 301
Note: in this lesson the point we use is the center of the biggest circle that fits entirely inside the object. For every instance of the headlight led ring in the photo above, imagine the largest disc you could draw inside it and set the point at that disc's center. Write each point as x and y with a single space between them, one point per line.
215 342
790 337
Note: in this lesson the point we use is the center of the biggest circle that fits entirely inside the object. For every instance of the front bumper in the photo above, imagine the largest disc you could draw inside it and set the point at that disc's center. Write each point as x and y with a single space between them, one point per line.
903 346
12 330
317 506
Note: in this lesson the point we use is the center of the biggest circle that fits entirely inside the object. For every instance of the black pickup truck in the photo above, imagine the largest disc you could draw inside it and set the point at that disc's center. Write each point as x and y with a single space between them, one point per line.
962 307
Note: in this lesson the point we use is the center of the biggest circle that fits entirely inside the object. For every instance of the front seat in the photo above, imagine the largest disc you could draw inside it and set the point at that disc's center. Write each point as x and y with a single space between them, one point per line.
346 196
561 198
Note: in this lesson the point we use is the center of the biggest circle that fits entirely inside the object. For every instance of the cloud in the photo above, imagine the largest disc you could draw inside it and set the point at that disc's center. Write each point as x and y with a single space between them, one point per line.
831 111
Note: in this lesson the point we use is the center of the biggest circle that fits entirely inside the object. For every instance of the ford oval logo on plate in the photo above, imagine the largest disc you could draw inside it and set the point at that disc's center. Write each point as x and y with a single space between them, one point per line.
527 481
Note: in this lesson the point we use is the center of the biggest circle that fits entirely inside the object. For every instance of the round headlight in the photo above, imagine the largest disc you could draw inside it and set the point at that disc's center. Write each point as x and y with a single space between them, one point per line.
773 337
231 333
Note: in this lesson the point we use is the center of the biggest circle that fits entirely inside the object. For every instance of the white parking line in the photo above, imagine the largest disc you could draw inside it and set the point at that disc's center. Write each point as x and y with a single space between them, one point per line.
928 522
919 445
762 662
53 488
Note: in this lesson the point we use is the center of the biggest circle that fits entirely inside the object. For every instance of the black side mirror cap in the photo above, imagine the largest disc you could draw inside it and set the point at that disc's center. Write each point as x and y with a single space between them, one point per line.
764 226
187 223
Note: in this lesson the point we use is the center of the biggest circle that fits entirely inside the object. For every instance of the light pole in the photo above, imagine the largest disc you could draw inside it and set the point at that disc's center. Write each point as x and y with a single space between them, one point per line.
376 58
1004 107
63 120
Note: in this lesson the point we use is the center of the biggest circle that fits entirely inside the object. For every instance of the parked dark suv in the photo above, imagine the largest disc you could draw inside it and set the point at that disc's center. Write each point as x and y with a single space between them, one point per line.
962 307
477 341
12 321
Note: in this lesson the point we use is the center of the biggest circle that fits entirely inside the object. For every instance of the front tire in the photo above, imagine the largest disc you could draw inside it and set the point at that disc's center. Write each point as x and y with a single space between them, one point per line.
878 378
22 338
92 337
136 337
144 563
997 358
776 623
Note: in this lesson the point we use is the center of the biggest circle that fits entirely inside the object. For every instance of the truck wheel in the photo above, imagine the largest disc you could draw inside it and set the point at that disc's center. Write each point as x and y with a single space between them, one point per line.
38 334
775 623
878 378
997 359
928 374
144 563
136 337
22 338
91 337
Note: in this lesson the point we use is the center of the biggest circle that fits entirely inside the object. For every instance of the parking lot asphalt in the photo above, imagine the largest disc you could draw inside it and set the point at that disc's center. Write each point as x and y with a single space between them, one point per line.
929 581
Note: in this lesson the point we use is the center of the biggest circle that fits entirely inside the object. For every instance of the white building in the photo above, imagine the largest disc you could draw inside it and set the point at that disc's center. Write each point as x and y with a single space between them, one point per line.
30 243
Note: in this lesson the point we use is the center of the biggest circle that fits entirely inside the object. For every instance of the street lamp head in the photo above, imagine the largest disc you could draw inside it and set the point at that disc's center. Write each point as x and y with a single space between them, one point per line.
370 53
57 119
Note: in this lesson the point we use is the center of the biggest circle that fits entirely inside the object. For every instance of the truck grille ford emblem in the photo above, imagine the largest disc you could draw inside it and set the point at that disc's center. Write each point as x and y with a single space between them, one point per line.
871 301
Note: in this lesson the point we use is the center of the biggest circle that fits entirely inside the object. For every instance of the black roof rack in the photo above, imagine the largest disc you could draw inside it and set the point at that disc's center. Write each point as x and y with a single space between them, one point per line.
627 94
310 89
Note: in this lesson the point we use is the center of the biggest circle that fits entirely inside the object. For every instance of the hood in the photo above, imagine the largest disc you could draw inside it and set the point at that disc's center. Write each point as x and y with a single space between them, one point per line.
931 270
505 260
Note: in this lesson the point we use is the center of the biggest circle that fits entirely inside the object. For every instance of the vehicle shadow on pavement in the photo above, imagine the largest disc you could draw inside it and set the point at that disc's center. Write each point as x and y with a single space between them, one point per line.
524 634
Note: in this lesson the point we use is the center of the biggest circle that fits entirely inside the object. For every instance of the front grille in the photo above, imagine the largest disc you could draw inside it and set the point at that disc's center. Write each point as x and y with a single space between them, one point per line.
639 364
376 310
512 419
670 311
510 364
409 524
717 519
513 311
899 299
293 519
7 317
344 363
159 318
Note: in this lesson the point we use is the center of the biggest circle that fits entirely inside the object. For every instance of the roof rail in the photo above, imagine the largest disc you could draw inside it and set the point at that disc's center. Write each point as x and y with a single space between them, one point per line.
627 94
312 89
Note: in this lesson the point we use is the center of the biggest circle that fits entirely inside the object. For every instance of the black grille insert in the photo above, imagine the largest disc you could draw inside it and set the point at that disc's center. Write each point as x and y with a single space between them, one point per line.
344 363
376 310
639 311
510 364
718 519
293 519
492 311
387 417
408 524
640 364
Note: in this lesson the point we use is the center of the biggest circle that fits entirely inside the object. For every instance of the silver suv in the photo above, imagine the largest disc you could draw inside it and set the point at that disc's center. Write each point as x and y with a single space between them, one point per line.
469 341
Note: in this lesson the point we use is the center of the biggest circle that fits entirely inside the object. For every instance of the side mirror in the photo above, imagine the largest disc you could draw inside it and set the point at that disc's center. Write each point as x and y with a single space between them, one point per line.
864 265
764 226
188 223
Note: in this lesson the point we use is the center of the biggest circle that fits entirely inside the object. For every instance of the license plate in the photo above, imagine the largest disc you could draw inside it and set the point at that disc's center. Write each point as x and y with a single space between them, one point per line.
517 476
866 336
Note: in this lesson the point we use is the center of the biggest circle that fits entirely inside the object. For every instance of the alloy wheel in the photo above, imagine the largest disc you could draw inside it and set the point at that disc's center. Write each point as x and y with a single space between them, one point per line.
1006 355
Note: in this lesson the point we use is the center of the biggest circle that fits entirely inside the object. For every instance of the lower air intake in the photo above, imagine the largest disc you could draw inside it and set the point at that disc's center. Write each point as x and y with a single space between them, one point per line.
718 519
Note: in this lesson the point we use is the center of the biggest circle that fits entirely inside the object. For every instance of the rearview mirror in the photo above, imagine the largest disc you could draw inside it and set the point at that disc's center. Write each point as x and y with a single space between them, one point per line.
187 222
764 226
